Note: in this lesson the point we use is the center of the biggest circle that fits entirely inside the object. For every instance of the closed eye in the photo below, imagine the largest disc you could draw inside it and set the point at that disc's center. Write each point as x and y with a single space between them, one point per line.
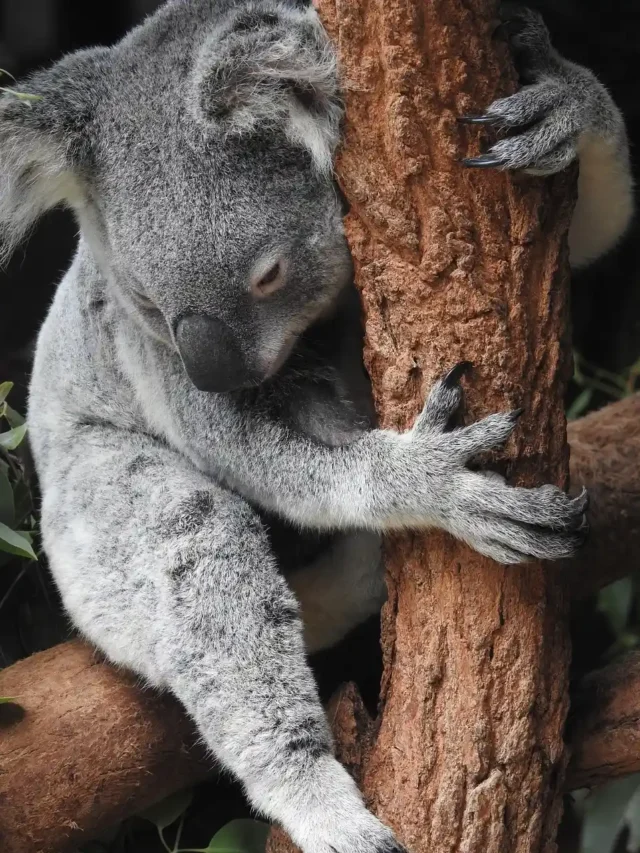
269 281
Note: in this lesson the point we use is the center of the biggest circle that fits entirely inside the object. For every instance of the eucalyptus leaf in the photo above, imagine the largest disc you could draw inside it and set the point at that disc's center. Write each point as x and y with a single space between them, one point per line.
240 836
631 820
15 418
6 700
580 404
7 506
615 602
14 542
5 390
12 438
22 502
167 811
605 814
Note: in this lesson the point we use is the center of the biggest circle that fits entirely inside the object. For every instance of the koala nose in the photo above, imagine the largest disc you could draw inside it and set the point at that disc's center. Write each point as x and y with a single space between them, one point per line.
210 354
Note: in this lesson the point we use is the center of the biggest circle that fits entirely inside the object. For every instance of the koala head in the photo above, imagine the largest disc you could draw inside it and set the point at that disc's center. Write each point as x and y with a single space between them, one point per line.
197 155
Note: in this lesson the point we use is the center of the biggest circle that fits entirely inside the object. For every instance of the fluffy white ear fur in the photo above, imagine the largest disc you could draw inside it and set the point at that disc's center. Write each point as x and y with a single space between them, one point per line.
34 175
43 141
272 64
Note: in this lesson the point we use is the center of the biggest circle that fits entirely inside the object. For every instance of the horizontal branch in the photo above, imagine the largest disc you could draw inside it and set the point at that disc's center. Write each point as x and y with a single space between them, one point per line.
605 457
604 725
84 746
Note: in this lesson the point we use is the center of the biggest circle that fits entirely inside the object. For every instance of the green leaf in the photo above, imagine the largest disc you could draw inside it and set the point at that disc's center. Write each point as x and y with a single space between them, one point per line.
167 811
22 502
5 390
7 506
15 418
240 836
14 542
21 96
604 815
12 438
615 602
580 404
5 700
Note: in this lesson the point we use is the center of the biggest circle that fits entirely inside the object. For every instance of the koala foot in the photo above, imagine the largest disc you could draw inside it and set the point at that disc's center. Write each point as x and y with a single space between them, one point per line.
547 119
507 523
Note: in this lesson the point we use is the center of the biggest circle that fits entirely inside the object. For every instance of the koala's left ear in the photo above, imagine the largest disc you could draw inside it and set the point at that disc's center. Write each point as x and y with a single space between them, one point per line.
45 142
270 63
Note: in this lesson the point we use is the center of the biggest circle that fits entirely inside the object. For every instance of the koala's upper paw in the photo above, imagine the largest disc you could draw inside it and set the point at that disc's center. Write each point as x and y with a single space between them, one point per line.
548 116
508 524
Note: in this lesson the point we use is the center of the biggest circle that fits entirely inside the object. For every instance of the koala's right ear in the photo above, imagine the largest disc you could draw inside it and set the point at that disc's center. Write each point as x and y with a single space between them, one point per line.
45 141
270 63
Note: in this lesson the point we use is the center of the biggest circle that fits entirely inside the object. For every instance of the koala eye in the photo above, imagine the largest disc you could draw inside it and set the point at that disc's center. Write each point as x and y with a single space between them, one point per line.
268 282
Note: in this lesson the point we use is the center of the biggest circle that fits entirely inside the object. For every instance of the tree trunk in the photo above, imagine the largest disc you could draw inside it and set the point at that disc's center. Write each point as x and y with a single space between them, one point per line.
454 265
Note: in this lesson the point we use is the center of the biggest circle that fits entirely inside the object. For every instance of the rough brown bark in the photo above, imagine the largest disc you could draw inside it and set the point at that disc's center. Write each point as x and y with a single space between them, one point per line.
457 265
605 724
82 747
605 456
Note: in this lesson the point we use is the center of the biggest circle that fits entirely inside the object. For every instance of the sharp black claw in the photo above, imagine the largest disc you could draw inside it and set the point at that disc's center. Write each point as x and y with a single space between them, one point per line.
516 414
451 379
484 161
481 119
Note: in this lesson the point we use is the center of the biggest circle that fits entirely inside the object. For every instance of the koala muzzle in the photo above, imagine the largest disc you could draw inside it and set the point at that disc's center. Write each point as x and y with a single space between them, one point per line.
210 354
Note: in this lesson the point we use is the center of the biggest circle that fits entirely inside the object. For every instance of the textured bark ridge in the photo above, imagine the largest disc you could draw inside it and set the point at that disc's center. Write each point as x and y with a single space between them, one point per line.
453 265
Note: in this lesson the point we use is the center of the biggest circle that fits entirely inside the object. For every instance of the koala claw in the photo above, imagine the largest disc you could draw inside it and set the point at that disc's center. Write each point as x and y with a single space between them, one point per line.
548 116
507 523
480 119
456 373
484 161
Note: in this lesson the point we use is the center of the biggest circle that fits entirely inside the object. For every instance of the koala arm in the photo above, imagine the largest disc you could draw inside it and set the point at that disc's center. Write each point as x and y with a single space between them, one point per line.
384 480
562 113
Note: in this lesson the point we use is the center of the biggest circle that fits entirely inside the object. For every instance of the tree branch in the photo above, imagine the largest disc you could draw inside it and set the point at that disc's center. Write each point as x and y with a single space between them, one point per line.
83 747
605 457
604 725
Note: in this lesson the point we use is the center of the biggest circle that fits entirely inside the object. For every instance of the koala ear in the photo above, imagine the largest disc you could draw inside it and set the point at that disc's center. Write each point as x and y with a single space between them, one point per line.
270 63
45 124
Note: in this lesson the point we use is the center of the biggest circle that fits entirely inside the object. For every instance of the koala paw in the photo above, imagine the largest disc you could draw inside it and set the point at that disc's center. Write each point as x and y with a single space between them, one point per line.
507 523
547 118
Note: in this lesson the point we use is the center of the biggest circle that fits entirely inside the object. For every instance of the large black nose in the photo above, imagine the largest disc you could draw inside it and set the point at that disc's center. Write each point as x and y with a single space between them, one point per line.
210 354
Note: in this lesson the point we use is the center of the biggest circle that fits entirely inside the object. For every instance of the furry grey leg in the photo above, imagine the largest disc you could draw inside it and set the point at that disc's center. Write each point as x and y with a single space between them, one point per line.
341 589
173 576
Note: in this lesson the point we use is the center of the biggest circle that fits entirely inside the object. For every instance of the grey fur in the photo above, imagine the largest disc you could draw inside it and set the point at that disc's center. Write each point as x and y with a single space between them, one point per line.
165 507
563 114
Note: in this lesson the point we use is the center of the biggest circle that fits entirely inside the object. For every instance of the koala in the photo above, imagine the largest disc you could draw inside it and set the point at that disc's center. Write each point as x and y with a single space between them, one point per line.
214 485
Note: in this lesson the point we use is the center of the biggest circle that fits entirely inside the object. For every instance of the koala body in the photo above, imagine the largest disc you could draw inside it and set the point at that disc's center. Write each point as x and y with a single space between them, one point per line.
199 415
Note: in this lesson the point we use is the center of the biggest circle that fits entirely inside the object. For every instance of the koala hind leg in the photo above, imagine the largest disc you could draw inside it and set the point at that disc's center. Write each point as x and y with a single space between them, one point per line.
187 592
341 589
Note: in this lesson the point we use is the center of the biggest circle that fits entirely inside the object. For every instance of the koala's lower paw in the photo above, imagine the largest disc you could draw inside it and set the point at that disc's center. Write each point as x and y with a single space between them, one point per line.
508 524
548 117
